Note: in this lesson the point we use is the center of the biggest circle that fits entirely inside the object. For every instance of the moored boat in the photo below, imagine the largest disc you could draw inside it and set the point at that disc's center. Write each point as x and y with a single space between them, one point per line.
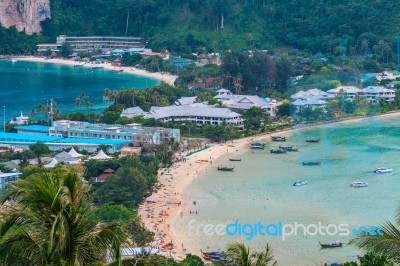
235 160
312 140
381 170
359 184
299 183
312 163
226 169
277 151
288 148
217 255
335 244
278 138
257 145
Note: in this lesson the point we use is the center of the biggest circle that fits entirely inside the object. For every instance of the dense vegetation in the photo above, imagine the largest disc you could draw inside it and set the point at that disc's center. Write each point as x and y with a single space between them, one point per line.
184 26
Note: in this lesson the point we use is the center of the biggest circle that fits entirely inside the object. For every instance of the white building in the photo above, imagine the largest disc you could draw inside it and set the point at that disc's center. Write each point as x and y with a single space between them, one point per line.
20 120
199 113
313 93
230 100
348 92
373 93
311 102
7 178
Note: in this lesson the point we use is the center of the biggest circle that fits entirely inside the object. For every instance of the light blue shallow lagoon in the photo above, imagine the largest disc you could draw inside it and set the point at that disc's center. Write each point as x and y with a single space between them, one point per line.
261 189
23 85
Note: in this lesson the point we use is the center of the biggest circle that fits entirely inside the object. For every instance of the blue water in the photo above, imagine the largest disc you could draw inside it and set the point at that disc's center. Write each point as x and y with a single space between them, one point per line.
260 189
23 85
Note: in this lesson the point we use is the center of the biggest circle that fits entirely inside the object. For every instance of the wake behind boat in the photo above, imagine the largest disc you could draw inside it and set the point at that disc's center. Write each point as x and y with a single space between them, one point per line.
381 170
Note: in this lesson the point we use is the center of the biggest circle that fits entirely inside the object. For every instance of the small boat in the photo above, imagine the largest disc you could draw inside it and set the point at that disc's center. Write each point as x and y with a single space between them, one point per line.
14 60
257 145
277 151
312 140
97 67
235 160
288 148
312 163
299 183
226 169
77 65
278 138
381 170
336 244
359 184
214 256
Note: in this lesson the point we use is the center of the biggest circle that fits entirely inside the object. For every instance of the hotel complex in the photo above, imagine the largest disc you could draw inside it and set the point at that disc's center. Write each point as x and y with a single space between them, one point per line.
104 43
83 135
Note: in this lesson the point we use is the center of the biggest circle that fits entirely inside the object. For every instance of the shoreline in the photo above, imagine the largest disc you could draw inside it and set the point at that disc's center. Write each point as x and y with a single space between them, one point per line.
181 175
163 77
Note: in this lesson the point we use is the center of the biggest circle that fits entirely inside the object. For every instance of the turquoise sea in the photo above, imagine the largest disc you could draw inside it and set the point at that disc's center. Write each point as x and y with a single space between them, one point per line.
260 189
23 85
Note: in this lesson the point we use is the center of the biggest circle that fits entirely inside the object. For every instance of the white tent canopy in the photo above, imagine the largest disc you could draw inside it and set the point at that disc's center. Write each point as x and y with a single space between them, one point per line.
65 157
52 164
74 153
101 156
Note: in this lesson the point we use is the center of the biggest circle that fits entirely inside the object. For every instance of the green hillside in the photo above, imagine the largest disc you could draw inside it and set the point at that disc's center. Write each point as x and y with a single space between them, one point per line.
185 25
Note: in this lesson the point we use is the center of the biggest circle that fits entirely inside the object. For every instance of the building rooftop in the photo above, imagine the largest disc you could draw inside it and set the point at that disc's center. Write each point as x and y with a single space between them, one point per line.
37 128
377 89
188 110
309 101
345 89
30 138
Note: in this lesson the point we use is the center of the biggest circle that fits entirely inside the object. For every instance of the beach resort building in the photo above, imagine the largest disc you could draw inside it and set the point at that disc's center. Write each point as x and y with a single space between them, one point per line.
91 43
348 92
374 93
6 179
88 136
312 93
198 113
313 98
232 101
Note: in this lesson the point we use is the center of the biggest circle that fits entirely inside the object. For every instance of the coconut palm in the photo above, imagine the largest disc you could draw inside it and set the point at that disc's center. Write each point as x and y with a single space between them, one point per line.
386 241
47 219
241 256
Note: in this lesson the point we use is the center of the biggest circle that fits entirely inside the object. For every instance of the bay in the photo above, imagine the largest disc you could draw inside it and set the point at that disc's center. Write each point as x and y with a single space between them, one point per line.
260 189
23 85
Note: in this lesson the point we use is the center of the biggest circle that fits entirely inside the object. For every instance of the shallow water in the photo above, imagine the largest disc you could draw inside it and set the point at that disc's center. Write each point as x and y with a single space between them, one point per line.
23 85
260 189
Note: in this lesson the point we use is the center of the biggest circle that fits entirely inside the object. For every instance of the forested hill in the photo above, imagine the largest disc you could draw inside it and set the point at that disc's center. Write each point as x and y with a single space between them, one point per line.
185 25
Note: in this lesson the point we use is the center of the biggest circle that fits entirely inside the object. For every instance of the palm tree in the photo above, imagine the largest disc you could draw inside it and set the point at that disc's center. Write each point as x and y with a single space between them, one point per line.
241 256
385 240
48 219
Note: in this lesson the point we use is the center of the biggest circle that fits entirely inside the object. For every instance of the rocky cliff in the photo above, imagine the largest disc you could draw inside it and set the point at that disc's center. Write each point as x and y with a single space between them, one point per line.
24 14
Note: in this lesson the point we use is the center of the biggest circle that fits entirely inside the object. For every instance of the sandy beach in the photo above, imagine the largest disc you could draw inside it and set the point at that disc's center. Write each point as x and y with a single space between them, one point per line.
165 77
161 210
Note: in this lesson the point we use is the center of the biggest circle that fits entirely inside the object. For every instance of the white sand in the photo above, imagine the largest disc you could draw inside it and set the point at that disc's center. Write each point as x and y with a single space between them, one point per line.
165 77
